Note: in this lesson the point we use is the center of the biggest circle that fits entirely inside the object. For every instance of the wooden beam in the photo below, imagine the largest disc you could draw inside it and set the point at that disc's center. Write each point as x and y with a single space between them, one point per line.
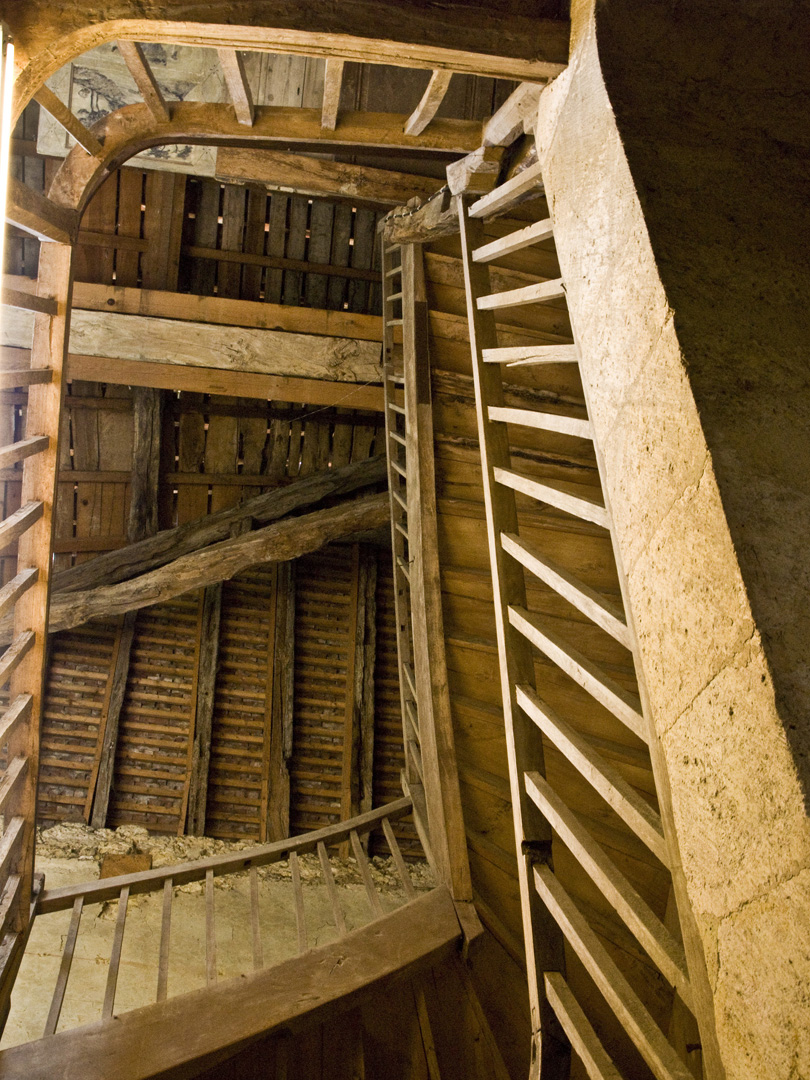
141 72
281 705
233 68
26 301
314 176
38 215
204 714
246 258
434 219
101 778
440 774
332 85
432 98
147 416
219 562
515 117
364 674
169 544
188 1033
71 123
477 173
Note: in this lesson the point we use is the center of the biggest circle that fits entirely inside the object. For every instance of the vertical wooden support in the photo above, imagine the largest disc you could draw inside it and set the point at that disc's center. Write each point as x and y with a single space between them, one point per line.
108 728
280 720
544 943
351 720
49 350
204 713
364 678
440 774
332 84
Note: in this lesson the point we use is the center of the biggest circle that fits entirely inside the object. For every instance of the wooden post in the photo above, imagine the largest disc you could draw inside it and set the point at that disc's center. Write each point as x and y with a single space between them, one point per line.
440 775
49 350
280 705
364 678
204 712
108 727
351 717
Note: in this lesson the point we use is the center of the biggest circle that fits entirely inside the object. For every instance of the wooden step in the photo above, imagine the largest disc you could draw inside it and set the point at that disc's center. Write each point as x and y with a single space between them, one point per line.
15 654
394 296
624 706
544 292
398 498
637 916
18 377
11 779
404 568
583 1038
514 241
395 465
625 1003
608 782
26 448
497 200
402 530
18 712
397 438
19 522
523 355
544 421
599 610
577 505
20 584
396 408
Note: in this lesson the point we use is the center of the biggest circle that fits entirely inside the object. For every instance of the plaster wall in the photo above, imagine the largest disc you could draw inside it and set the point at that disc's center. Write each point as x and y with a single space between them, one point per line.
674 151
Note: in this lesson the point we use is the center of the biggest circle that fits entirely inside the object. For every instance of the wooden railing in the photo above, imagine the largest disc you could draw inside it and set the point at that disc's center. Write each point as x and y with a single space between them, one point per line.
166 880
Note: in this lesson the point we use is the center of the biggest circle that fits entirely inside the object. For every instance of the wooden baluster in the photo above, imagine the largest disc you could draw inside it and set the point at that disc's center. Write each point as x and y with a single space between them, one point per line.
64 969
331 888
165 934
258 958
210 932
298 892
365 873
115 956
399 862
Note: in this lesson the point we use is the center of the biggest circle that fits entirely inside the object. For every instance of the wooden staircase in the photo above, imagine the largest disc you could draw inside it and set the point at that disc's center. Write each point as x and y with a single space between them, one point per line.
556 931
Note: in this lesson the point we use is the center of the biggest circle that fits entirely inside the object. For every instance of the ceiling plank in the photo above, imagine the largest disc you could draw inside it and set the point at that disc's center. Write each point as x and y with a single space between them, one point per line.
233 68
332 85
432 98
151 93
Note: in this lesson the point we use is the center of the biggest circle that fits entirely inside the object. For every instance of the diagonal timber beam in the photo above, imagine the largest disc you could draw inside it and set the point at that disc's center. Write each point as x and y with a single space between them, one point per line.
71 123
332 85
432 98
40 216
145 80
233 68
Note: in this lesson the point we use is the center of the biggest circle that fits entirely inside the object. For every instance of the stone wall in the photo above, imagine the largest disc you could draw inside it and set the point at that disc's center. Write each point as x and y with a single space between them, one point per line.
675 157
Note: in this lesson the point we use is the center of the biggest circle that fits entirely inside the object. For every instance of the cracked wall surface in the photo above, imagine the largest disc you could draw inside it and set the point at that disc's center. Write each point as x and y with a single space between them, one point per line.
674 151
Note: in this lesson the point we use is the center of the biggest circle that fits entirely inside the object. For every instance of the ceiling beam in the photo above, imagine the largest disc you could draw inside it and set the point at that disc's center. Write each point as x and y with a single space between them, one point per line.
233 68
38 215
71 123
332 85
432 98
141 72
314 176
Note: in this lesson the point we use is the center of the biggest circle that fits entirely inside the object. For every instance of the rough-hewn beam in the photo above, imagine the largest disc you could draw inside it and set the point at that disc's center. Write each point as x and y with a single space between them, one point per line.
477 173
204 716
147 416
313 176
332 85
110 716
71 123
516 116
428 106
421 224
41 217
149 553
144 79
219 562
233 68
281 706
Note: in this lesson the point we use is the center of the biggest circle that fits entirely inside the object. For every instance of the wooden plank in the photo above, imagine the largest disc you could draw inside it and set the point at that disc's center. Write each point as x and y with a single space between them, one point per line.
197 1027
477 173
26 301
624 705
165 938
507 194
514 241
256 931
280 705
21 450
428 106
365 682
17 587
542 421
147 405
365 873
298 896
631 1013
542 293
204 715
516 116
578 505
331 888
102 772
38 215
635 811
145 80
275 262
210 931
17 715
399 862
71 123
650 932
12 777
24 377
349 803
115 956
575 1024
15 654
516 356
233 68
64 968
332 85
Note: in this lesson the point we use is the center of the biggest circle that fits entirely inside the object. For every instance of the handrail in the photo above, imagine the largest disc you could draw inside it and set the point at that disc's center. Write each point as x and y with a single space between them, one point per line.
94 892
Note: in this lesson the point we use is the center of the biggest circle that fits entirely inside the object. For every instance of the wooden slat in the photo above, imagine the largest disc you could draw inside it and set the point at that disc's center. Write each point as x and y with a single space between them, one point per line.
578 505
298 897
11 378
542 293
36 214
115 955
233 68
543 421
631 1013
71 123
27 301
625 706
429 104
331 888
365 873
17 714
514 241
255 924
650 932
23 449
64 968
634 811
15 654
17 587
165 939
11 779
210 931
596 607
579 1031
9 898
504 196
9 844
399 862
144 79
520 355
332 84
19 522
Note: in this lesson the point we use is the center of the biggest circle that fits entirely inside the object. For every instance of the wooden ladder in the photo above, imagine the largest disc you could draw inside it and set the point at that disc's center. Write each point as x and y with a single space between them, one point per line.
552 920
